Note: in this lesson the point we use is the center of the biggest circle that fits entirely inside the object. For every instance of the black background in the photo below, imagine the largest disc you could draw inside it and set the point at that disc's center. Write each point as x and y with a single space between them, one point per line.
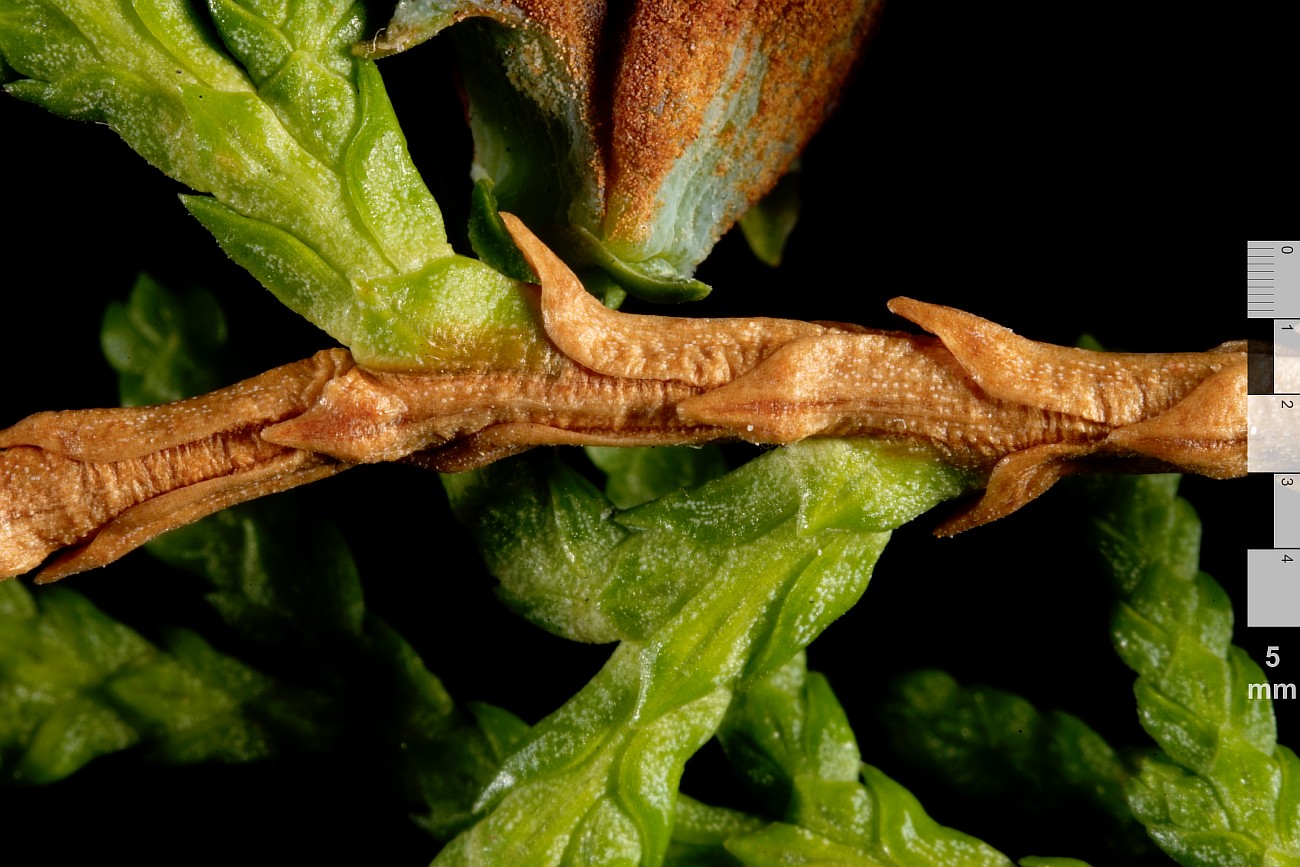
1054 171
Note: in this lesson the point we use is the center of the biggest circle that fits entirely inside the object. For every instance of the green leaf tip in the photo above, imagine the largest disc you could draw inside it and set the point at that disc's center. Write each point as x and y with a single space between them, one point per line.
162 343
648 279
490 238
767 225
291 138
1220 792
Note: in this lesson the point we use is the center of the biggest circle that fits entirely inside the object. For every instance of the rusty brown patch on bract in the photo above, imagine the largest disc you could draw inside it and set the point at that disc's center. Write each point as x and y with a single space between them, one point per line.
680 61
691 111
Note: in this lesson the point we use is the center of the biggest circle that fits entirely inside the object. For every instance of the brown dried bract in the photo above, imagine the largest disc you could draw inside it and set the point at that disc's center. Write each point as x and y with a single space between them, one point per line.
703 352
1015 413
108 480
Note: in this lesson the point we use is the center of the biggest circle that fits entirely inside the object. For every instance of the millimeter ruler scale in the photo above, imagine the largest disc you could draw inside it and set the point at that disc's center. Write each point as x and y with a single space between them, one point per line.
1273 408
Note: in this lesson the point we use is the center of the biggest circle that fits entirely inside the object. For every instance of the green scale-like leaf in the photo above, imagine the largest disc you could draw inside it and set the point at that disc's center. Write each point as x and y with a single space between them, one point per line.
704 588
311 187
997 751
163 346
788 736
76 684
1223 791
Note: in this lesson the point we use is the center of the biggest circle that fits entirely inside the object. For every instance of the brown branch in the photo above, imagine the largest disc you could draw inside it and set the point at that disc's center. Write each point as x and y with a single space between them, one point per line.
1019 414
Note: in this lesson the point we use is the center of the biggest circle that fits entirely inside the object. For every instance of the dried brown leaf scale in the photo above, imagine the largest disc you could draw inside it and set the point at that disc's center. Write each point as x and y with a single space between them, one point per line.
112 479
1016 413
